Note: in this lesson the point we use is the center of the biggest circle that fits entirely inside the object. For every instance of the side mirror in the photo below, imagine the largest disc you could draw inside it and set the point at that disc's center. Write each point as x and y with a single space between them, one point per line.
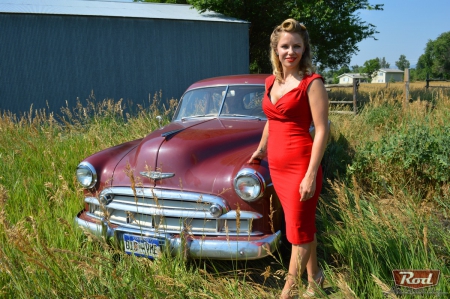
332 132
159 119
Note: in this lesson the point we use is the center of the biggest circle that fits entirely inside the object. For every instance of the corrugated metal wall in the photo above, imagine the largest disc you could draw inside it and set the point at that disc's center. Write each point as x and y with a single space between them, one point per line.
53 59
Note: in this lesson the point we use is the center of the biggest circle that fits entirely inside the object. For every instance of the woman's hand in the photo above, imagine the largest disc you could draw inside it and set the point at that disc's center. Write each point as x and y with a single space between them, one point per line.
307 187
259 154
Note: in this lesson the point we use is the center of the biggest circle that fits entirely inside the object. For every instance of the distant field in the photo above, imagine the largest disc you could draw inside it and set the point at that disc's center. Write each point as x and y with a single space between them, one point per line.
412 85
368 92
371 87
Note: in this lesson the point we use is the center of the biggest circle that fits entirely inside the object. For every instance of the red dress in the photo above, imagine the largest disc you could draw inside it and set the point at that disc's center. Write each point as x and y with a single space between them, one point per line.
289 151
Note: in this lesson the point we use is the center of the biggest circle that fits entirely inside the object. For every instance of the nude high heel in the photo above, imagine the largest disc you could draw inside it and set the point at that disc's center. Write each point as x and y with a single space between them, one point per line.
314 288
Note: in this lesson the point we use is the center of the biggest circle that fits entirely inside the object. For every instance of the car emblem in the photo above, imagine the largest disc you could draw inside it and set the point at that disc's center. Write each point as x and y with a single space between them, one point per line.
157 175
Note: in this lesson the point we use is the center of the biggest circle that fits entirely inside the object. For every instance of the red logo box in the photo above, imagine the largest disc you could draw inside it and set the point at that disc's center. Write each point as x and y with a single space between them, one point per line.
416 279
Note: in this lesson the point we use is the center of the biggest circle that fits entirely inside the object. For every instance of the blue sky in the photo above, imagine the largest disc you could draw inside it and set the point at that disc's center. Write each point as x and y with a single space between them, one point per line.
405 27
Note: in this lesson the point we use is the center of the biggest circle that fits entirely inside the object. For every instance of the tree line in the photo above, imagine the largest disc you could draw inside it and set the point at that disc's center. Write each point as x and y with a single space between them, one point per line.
434 63
335 29
369 68
334 26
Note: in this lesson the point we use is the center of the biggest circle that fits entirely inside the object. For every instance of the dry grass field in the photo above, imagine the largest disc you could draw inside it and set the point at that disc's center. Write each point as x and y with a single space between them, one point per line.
385 206
368 92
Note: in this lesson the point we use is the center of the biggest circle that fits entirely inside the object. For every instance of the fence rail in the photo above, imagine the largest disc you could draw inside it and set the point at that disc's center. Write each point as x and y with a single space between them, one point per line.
355 92
353 85
435 80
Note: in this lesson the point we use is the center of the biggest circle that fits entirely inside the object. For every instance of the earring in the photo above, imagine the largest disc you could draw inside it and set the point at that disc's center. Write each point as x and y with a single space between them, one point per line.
276 53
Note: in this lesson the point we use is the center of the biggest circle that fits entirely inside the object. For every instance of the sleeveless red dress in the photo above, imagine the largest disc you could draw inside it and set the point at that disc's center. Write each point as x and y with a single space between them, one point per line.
289 151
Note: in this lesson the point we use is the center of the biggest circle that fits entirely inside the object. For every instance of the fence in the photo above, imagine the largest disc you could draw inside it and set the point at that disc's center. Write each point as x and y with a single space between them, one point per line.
433 80
353 85
355 92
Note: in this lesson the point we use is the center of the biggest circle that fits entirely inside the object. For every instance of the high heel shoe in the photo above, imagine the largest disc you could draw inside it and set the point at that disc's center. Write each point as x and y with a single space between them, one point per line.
286 293
314 287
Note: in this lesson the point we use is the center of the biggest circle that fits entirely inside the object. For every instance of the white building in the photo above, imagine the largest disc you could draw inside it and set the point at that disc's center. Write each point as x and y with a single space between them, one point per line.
348 78
387 75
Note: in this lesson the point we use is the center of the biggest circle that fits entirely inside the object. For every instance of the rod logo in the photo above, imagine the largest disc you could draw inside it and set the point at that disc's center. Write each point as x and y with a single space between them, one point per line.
416 279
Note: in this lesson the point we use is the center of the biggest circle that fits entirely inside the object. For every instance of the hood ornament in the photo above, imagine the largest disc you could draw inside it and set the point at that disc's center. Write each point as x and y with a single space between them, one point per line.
157 175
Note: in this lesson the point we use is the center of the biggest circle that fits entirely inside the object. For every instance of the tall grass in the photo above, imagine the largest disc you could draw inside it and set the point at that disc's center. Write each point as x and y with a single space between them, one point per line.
386 206
390 210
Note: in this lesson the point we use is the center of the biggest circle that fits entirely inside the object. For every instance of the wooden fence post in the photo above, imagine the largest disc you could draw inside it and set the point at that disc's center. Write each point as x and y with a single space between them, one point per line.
406 79
355 90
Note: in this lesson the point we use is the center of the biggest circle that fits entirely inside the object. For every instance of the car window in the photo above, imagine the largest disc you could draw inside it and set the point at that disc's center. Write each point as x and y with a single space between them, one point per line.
201 102
244 101
240 101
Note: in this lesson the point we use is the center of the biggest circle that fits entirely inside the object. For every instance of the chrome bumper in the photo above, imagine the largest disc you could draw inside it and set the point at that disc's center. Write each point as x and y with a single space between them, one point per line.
193 247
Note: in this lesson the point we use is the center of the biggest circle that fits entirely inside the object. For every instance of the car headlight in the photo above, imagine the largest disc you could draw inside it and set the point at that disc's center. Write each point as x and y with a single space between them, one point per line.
86 175
249 184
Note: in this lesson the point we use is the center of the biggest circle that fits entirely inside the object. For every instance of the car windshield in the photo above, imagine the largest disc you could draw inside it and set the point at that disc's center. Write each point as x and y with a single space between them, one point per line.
240 101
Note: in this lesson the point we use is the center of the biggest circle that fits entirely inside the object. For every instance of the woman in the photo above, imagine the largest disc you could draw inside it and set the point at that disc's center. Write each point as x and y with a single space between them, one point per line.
294 98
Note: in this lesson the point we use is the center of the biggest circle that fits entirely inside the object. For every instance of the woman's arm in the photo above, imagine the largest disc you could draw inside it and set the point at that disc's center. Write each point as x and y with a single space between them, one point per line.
318 102
261 152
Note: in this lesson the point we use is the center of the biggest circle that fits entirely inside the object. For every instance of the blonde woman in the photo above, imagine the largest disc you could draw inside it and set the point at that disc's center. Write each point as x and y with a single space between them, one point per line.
294 98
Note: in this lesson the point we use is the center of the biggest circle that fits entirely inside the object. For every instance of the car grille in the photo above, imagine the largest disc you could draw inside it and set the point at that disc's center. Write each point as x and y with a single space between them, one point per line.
168 211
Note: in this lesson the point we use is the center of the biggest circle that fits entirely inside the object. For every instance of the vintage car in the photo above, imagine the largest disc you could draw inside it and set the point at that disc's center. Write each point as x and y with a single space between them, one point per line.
187 187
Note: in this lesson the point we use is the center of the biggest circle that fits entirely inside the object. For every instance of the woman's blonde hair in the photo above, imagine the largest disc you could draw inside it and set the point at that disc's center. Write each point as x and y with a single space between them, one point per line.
291 26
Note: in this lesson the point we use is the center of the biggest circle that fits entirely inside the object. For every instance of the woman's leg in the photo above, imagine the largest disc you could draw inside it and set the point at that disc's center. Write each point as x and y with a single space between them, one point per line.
300 260
312 267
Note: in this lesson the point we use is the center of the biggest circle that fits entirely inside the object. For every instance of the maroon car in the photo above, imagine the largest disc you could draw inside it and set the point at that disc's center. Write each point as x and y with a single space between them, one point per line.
188 187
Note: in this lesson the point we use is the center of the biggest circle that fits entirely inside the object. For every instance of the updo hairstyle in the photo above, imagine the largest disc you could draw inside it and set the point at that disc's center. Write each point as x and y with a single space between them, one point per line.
291 26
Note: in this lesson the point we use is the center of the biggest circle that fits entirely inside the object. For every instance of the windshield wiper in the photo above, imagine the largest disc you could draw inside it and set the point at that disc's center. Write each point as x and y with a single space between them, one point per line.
199 115
240 115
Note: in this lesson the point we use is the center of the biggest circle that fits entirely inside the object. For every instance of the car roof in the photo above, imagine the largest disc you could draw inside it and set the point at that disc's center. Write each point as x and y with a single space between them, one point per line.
250 79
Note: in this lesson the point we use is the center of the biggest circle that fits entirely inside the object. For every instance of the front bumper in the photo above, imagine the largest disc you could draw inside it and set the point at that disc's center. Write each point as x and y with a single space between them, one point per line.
197 247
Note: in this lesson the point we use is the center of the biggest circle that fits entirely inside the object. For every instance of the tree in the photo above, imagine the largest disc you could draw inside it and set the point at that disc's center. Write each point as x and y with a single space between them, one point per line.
331 76
436 59
424 64
370 67
356 69
402 63
334 26
383 63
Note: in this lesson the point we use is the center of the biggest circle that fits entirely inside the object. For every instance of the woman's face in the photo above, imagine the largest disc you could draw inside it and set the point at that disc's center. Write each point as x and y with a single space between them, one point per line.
290 49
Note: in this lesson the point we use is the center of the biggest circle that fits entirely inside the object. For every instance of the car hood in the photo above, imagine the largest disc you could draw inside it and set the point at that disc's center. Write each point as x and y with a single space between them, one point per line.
200 156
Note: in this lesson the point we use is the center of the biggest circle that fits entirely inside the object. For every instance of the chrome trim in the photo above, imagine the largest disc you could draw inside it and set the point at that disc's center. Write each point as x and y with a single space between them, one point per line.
106 198
158 211
157 175
174 212
190 247
259 177
161 194
231 233
166 210
215 210
223 99
168 134
224 85
94 174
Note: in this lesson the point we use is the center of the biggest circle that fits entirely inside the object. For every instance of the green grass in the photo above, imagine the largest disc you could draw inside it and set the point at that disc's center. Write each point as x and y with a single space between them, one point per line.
386 206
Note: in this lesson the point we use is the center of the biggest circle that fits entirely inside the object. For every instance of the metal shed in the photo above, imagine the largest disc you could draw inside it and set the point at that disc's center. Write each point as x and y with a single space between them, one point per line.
53 51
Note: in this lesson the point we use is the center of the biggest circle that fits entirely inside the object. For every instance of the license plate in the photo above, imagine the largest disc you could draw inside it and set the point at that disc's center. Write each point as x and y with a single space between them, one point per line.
141 246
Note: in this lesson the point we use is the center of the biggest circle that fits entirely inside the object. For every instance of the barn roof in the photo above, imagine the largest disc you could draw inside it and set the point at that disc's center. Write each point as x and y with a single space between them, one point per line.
354 75
391 71
113 9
